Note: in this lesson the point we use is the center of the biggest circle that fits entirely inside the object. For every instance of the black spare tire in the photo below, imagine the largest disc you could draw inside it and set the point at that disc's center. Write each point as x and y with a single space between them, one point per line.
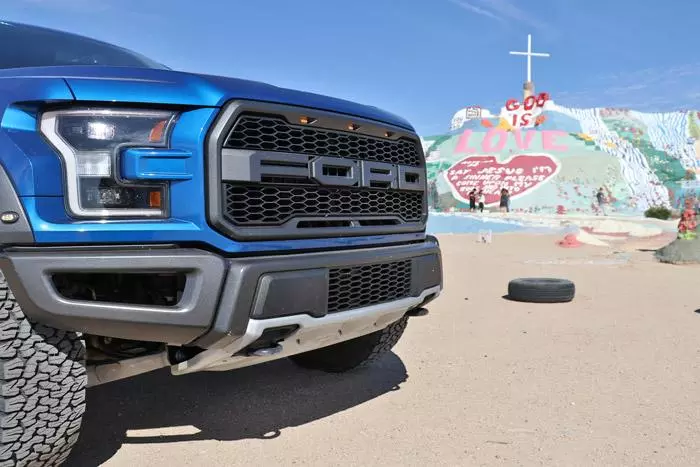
541 290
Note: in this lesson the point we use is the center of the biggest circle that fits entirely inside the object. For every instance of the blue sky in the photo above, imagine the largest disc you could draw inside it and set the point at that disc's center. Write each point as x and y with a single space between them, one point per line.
422 59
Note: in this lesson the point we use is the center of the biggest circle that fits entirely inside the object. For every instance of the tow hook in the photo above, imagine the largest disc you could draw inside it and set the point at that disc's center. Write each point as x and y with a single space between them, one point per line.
416 312
268 343
265 352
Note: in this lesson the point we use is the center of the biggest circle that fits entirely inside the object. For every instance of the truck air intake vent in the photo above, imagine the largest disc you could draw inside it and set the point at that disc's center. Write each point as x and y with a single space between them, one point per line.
372 284
273 205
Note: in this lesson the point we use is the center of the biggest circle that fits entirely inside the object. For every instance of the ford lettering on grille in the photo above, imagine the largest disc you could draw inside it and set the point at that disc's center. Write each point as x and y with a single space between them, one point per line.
271 167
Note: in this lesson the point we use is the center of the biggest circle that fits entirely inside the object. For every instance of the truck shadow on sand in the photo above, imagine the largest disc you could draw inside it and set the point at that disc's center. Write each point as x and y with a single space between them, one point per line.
255 402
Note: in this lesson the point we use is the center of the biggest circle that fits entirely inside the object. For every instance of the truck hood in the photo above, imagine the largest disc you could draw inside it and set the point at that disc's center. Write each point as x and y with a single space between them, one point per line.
151 86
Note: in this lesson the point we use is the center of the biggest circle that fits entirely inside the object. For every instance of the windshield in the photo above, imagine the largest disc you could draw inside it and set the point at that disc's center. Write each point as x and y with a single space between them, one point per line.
35 46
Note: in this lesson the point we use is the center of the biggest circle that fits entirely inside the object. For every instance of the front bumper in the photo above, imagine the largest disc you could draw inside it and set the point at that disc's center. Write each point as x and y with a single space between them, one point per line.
225 300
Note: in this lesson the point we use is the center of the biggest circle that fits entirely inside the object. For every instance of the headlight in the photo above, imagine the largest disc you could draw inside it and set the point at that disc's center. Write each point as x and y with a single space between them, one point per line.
89 142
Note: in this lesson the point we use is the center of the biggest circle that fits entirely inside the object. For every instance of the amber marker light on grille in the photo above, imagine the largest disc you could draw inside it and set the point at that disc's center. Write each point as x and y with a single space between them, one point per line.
388 134
307 120
353 127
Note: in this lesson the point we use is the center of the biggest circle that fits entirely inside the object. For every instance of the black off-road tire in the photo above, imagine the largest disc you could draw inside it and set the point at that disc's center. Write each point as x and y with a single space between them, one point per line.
354 353
541 290
42 388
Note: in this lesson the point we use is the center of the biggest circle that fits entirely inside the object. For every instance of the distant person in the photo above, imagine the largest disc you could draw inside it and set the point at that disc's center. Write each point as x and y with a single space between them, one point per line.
481 199
472 200
600 196
504 204
434 195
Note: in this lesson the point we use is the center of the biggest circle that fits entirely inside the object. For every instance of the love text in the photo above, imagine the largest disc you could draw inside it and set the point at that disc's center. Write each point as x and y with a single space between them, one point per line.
495 140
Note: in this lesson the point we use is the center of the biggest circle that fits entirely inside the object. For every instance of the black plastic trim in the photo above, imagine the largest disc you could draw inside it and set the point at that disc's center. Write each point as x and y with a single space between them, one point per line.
276 289
20 231
29 276
220 296
426 273
242 290
90 248
323 119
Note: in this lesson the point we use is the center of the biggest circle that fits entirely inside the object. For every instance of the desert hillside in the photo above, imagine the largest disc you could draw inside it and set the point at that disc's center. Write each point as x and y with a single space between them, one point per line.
555 158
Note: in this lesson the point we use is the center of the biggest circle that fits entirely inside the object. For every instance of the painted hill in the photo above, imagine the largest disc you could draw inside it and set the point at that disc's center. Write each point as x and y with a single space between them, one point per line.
557 161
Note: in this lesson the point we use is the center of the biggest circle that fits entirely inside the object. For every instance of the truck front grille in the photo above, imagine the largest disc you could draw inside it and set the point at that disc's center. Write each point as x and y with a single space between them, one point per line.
274 205
360 286
271 133
277 178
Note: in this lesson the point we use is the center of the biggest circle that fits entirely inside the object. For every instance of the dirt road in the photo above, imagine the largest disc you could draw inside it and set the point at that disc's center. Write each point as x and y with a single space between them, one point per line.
609 379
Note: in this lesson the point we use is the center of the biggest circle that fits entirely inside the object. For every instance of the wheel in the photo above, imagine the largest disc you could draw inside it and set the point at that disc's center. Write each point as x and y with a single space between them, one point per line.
541 290
354 353
42 388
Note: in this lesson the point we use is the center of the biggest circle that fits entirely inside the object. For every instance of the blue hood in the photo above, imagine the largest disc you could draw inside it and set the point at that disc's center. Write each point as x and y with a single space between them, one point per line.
143 85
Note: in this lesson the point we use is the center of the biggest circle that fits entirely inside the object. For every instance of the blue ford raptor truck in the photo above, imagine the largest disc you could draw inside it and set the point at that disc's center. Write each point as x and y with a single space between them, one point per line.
153 218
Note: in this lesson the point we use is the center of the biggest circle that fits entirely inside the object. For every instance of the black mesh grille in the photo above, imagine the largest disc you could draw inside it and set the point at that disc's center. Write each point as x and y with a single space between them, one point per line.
270 133
360 286
251 205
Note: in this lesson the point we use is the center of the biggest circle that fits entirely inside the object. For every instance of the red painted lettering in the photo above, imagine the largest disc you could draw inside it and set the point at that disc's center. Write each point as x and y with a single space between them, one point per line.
487 145
512 104
518 174
521 120
529 102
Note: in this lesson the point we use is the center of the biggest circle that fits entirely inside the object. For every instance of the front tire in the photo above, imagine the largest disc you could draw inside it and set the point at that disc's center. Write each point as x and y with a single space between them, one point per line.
42 388
354 353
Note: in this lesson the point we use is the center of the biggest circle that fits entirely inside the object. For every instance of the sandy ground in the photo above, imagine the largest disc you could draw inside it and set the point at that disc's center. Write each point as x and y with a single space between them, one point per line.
609 379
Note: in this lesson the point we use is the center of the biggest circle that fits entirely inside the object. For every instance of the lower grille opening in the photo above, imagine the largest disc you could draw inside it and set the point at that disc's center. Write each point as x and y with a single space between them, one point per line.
366 285
267 205
159 289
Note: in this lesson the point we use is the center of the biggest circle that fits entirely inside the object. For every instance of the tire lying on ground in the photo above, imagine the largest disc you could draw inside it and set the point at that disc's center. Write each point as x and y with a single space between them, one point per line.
541 290
42 388
354 353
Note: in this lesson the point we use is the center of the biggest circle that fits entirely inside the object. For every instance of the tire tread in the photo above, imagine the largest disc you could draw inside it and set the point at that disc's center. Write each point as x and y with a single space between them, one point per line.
541 290
42 388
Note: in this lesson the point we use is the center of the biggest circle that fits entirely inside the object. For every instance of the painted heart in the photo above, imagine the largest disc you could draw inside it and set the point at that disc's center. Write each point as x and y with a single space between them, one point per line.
519 174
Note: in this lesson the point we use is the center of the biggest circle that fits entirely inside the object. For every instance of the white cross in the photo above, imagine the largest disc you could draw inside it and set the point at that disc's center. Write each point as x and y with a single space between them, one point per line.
529 55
